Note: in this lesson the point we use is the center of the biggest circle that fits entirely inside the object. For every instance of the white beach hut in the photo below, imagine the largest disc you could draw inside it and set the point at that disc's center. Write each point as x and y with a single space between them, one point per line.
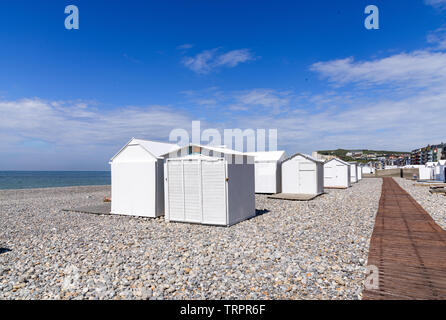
337 174
302 174
368 170
268 171
137 178
354 172
426 172
359 173
440 171
214 186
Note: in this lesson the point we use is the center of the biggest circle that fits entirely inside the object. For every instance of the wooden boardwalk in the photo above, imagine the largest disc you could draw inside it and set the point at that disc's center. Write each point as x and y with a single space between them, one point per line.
407 247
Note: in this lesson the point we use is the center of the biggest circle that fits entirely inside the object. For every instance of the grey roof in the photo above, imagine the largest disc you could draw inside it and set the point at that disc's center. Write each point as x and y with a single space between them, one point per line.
339 160
155 148
306 156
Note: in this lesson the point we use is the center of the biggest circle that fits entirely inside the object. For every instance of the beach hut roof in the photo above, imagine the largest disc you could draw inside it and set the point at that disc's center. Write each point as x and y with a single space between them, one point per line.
155 148
220 149
306 156
338 160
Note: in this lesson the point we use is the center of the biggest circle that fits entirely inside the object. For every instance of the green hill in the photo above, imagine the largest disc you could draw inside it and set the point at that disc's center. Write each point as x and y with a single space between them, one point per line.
342 153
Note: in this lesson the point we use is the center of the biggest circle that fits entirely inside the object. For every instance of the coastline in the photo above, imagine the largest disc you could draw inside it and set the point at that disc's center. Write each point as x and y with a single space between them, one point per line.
18 180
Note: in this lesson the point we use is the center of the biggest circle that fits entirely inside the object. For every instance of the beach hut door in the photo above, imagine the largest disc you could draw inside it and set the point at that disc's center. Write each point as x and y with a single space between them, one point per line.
214 191
192 192
307 177
175 190
330 173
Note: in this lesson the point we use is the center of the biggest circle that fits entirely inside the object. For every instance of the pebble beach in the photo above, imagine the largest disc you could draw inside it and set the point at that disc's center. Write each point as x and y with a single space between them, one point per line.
290 250
434 204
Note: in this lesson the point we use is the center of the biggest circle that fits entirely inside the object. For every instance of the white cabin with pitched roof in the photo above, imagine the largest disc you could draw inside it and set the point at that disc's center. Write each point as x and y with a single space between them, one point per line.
137 177
302 174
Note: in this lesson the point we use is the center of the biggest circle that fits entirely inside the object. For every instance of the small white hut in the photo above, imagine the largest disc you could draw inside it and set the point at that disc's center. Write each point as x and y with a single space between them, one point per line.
137 178
359 173
426 172
336 174
440 171
354 172
302 174
209 185
268 171
368 170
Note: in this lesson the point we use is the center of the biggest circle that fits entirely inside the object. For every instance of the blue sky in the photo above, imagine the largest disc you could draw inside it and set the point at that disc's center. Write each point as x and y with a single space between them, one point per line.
70 98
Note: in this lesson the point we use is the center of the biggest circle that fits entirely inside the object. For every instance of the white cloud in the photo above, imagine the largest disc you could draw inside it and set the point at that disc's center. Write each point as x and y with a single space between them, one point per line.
211 60
202 62
436 3
233 58
416 69
438 38
55 133
79 130
346 119
371 113
357 116
266 98
257 99
209 97
207 102
363 123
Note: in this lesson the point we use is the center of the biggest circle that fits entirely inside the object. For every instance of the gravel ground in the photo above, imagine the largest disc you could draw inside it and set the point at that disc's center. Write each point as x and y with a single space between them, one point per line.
294 250
434 204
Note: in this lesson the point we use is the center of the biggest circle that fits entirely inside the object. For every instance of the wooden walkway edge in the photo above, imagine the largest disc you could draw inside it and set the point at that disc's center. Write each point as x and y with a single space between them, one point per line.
408 248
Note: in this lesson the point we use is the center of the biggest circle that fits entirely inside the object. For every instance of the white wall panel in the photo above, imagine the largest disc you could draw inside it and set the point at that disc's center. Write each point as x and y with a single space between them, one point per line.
175 191
214 192
192 196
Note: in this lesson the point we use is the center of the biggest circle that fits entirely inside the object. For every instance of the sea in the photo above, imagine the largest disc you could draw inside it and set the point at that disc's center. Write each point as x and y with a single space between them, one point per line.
49 179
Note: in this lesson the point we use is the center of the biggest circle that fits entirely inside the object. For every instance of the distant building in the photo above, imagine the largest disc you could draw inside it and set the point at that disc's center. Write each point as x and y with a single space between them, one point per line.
374 159
355 154
429 153
438 152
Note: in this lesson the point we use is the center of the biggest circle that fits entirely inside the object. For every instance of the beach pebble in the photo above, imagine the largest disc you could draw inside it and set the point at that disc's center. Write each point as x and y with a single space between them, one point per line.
293 250
434 204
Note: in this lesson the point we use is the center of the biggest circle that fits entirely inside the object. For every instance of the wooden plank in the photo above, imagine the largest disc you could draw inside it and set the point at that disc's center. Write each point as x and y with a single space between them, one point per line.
103 208
408 248
293 196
